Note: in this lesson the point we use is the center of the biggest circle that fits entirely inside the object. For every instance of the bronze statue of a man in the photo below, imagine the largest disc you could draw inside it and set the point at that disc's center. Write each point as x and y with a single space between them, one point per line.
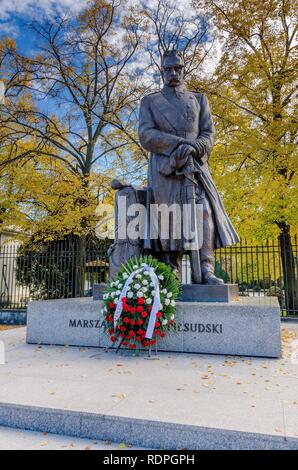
176 126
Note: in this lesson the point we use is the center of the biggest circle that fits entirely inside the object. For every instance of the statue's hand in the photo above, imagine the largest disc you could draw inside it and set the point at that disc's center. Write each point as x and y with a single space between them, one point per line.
180 156
184 151
199 154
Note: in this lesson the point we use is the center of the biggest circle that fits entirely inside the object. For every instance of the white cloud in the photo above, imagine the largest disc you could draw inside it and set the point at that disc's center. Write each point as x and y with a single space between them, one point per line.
9 28
31 8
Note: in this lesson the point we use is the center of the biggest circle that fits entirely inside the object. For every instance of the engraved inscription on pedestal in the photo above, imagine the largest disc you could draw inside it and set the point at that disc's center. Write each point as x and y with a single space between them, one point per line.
248 326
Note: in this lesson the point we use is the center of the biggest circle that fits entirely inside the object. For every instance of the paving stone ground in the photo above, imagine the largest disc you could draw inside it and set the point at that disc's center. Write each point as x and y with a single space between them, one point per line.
244 394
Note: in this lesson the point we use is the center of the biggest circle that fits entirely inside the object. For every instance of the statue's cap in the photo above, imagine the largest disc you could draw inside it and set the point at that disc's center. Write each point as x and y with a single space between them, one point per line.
172 56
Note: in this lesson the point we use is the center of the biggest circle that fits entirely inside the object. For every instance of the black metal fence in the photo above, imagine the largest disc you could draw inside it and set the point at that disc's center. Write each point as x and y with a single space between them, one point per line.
52 271
259 270
70 268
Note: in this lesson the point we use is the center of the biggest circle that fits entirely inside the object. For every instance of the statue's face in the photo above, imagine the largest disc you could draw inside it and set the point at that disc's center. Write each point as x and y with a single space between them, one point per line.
173 71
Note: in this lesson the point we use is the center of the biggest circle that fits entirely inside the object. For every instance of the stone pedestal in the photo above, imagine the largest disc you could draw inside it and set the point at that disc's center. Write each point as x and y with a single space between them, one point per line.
209 293
190 292
249 326
98 290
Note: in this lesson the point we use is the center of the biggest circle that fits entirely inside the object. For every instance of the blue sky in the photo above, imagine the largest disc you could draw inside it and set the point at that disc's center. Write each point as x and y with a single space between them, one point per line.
23 36
15 19
16 15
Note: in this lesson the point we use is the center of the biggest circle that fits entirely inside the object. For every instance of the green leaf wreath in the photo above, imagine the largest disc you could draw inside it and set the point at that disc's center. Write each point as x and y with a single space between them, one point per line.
137 304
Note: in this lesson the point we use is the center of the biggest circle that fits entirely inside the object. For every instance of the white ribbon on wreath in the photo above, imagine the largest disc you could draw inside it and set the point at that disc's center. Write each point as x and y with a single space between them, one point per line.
156 301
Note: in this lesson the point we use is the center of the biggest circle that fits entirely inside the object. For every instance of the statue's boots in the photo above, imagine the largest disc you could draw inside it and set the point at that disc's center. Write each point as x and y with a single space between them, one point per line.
207 248
208 277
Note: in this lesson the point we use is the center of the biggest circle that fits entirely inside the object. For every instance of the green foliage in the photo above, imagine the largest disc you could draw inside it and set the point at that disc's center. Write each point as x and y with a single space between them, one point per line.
170 280
220 272
58 269
252 94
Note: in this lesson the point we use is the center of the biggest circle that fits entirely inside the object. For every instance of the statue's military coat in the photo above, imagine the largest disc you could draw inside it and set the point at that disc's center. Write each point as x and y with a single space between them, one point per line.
166 119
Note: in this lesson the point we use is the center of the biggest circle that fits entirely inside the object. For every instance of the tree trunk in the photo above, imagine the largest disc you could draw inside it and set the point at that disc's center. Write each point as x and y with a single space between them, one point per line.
289 270
81 241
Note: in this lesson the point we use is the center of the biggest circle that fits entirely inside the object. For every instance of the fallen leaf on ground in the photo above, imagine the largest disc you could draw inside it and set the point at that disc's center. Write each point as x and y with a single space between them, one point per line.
120 395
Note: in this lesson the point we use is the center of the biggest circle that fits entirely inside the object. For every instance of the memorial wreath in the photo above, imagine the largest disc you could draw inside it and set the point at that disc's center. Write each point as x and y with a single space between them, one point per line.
139 304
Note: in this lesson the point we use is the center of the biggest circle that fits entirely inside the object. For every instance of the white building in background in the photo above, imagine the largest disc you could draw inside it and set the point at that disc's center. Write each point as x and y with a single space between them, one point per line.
12 294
